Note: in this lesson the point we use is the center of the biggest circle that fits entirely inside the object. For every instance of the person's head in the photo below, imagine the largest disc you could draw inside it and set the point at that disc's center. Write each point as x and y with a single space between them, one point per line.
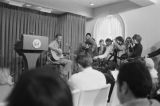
137 38
5 77
119 40
101 42
88 35
134 81
40 87
84 59
108 41
58 37
128 40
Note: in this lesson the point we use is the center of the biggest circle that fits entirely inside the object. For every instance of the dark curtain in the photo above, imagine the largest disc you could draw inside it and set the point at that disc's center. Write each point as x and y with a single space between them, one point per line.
72 27
15 21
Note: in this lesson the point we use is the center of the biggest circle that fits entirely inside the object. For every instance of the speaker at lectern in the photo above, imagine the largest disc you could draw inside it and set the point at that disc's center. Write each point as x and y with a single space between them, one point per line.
30 47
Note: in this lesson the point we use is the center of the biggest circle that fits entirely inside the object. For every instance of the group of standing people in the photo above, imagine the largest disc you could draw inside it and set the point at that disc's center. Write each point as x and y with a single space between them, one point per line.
118 48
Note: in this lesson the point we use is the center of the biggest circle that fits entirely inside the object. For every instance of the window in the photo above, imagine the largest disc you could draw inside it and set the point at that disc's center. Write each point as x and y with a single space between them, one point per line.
108 27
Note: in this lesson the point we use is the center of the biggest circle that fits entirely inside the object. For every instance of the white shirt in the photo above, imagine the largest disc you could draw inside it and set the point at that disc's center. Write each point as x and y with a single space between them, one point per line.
88 79
109 50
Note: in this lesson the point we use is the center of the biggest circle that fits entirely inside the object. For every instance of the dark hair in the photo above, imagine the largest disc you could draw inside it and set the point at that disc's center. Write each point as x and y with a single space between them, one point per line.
40 87
120 38
108 40
101 40
138 78
58 35
128 40
137 37
84 59
88 34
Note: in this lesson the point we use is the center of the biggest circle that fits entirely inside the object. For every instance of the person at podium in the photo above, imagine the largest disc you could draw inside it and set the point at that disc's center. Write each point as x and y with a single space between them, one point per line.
56 55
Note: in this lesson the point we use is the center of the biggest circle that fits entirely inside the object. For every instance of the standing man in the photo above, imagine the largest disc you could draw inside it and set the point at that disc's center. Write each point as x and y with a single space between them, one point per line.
101 49
91 45
57 55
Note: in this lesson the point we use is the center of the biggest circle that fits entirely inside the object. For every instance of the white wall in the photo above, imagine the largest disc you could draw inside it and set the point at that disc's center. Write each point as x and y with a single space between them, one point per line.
146 22
107 10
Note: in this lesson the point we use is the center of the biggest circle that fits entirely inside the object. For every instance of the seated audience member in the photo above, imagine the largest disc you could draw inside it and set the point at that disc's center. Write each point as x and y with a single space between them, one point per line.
134 85
5 83
137 47
101 48
88 78
40 87
109 49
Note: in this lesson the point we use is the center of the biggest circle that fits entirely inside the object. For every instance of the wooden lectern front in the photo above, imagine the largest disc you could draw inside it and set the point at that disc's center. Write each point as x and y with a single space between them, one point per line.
30 48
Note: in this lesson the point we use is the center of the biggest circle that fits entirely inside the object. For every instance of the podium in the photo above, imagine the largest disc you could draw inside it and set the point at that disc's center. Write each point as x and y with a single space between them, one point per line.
30 47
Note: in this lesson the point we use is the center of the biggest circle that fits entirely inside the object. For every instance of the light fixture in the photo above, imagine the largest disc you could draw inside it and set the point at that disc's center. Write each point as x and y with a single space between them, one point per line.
28 5
19 4
46 10
154 1
91 4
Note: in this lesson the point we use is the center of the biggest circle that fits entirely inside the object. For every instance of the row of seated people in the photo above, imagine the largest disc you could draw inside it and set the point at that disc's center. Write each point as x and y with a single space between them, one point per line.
45 87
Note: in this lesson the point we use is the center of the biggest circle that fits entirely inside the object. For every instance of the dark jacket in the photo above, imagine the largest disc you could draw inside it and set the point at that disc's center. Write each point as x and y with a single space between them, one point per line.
137 51
154 53
93 46
99 48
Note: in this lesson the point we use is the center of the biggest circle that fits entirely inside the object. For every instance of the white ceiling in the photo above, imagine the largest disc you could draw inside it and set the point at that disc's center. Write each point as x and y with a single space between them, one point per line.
85 3
80 7
97 3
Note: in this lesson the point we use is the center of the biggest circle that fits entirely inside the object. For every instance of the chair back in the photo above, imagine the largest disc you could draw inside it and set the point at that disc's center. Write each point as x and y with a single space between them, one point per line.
4 92
95 97
88 97
114 101
75 95
102 97
2 104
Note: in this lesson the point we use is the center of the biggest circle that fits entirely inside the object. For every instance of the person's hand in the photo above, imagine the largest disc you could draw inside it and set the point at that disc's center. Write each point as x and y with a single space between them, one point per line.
96 57
146 56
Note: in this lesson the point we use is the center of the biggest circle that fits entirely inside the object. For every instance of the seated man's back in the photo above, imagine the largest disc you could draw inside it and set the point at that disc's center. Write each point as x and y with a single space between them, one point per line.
88 78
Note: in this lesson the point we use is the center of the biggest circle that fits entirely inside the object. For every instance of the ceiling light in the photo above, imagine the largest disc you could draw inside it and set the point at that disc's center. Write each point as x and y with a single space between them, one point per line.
154 1
45 10
28 5
92 4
